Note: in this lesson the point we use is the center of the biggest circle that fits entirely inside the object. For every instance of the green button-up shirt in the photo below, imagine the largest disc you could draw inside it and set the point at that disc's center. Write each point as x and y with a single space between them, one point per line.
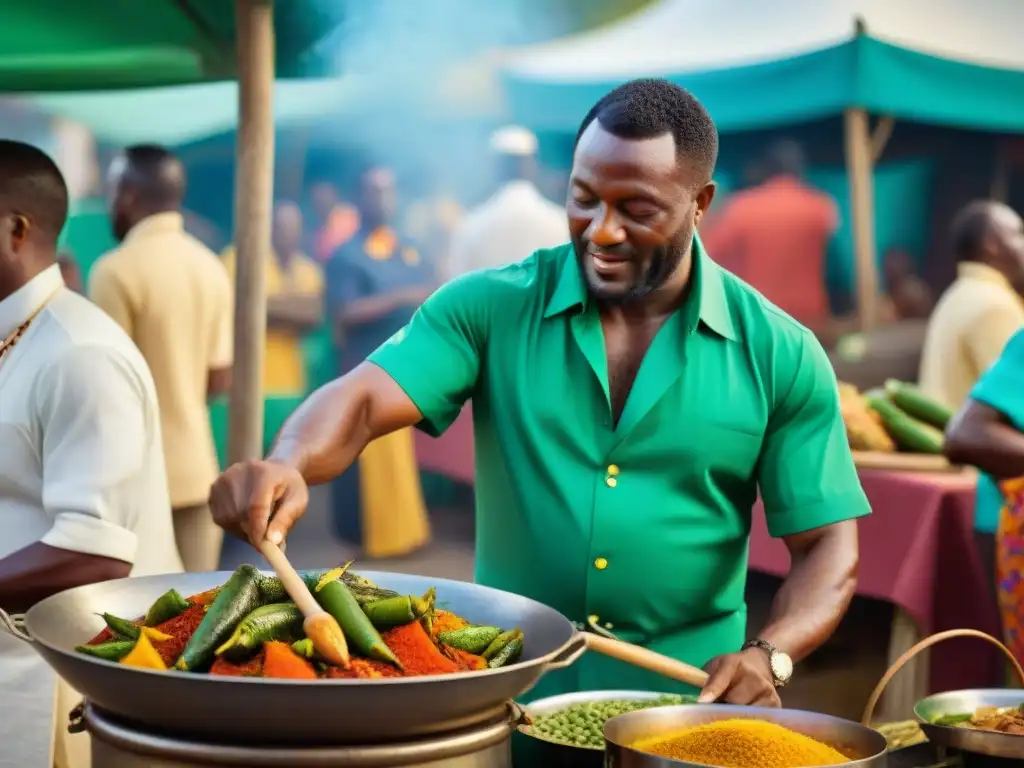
642 524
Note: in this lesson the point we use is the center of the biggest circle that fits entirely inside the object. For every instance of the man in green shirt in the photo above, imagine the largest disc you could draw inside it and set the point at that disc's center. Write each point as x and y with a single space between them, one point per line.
630 397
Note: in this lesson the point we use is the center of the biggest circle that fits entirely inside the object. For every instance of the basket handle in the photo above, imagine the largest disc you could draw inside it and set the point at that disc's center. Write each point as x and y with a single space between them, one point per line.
928 642
14 626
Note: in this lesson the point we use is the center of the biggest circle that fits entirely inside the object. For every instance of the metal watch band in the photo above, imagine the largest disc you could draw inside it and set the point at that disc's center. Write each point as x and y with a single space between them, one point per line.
771 651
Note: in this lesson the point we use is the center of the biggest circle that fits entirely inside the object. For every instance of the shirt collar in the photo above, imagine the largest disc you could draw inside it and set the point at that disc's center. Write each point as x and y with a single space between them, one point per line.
22 304
708 289
975 270
157 224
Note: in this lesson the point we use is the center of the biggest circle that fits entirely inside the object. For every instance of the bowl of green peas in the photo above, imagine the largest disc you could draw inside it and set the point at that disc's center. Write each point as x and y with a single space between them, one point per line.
568 730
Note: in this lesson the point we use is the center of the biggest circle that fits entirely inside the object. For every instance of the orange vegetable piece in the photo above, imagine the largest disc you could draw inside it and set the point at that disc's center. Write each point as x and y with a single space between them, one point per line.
280 660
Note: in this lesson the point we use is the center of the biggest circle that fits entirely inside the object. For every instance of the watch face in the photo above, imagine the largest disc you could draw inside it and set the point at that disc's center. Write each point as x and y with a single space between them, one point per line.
782 666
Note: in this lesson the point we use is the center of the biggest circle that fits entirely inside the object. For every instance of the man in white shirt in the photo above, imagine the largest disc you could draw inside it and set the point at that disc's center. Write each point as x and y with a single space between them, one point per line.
517 220
83 489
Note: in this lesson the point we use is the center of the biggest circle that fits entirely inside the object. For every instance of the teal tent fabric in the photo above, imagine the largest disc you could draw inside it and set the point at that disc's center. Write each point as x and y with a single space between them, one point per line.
87 234
865 72
902 203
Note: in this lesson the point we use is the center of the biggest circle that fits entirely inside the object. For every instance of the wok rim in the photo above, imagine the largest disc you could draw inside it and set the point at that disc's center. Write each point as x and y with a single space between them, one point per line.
574 639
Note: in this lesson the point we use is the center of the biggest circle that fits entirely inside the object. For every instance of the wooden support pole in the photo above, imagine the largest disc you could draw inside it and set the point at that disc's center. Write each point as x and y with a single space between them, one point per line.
254 191
860 176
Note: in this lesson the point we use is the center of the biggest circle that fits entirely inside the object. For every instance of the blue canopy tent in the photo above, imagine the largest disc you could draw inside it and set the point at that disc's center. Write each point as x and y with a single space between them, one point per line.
762 65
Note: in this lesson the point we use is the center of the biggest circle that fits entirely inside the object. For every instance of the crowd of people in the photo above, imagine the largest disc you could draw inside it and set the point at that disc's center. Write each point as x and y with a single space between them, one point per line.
586 337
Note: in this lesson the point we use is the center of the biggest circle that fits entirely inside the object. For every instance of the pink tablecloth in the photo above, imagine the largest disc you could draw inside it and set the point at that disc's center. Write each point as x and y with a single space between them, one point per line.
450 455
917 551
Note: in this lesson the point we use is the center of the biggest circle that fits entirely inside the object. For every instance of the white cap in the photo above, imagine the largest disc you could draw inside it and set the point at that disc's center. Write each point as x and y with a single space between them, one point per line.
514 140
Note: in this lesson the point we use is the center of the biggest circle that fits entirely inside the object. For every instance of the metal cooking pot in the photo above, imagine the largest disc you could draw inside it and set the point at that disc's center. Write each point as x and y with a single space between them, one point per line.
866 747
548 752
294 712
991 743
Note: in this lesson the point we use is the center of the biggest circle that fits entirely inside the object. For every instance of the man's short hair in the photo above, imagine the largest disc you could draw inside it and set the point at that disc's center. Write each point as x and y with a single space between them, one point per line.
32 185
650 107
969 229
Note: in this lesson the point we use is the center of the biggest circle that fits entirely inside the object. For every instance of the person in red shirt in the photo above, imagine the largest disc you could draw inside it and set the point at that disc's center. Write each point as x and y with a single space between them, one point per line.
775 236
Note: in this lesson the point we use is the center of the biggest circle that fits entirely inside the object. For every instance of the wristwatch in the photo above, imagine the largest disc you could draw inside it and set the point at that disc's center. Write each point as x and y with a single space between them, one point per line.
780 663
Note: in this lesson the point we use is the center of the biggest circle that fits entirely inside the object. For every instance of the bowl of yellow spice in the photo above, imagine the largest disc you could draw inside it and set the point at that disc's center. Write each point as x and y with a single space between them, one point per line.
725 736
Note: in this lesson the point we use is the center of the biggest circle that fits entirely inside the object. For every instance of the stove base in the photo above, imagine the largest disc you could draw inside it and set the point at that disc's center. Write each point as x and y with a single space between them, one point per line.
117 745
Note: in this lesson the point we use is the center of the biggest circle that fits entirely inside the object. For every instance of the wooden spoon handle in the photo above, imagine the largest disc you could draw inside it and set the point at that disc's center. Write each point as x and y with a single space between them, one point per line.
645 659
293 583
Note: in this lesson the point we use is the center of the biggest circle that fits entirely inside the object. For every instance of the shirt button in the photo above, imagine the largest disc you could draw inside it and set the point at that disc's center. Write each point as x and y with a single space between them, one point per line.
600 563
611 482
613 470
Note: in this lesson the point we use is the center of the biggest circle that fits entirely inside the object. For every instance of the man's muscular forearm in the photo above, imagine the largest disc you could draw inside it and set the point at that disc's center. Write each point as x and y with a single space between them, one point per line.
815 595
37 571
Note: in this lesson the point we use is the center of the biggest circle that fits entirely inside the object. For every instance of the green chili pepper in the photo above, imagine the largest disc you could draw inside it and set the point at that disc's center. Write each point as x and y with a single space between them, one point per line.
336 598
166 607
508 652
470 639
121 627
237 599
115 650
277 621
500 642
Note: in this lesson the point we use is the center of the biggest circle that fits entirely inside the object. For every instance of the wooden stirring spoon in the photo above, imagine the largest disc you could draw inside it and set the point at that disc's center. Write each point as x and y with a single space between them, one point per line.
645 659
319 625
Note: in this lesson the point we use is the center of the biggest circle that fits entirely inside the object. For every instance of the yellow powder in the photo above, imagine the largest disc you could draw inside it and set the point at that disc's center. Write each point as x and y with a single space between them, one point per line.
743 744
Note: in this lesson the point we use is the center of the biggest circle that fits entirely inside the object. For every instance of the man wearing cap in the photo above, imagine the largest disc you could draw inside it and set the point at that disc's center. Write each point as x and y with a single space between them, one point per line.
517 220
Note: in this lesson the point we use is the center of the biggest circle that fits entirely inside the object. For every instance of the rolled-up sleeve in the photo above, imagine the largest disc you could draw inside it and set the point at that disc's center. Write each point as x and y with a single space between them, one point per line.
91 410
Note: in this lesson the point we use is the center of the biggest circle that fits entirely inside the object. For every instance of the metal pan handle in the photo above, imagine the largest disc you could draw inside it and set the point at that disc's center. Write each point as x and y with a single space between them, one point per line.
14 626
568 655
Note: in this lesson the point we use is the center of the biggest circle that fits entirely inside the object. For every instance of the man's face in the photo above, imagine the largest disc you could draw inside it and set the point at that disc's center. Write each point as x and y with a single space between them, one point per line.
1006 233
119 198
287 233
323 197
379 195
633 206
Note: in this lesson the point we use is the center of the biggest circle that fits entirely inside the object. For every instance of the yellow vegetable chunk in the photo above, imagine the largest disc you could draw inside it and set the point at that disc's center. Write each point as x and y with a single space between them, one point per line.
144 655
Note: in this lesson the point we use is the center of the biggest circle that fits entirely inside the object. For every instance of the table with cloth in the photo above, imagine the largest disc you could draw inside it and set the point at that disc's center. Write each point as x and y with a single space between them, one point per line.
917 553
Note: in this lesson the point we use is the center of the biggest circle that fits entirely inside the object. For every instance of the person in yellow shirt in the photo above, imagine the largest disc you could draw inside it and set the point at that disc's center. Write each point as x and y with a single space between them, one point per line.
295 286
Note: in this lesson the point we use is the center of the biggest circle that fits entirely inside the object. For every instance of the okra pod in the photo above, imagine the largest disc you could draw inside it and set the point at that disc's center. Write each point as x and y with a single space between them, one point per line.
393 611
508 653
500 642
473 640
277 621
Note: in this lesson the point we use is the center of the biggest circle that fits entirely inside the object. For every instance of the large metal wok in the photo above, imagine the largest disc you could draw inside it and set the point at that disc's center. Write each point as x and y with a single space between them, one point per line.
295 712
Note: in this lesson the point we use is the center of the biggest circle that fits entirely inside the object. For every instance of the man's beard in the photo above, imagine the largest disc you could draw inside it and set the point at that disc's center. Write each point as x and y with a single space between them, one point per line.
660 267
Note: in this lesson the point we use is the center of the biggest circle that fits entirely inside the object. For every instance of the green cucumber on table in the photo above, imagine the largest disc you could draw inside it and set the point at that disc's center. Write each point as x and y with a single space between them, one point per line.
909 433
239 597
911 400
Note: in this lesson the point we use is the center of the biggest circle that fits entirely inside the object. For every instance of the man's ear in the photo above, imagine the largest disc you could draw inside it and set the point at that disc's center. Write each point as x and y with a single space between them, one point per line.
704 198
